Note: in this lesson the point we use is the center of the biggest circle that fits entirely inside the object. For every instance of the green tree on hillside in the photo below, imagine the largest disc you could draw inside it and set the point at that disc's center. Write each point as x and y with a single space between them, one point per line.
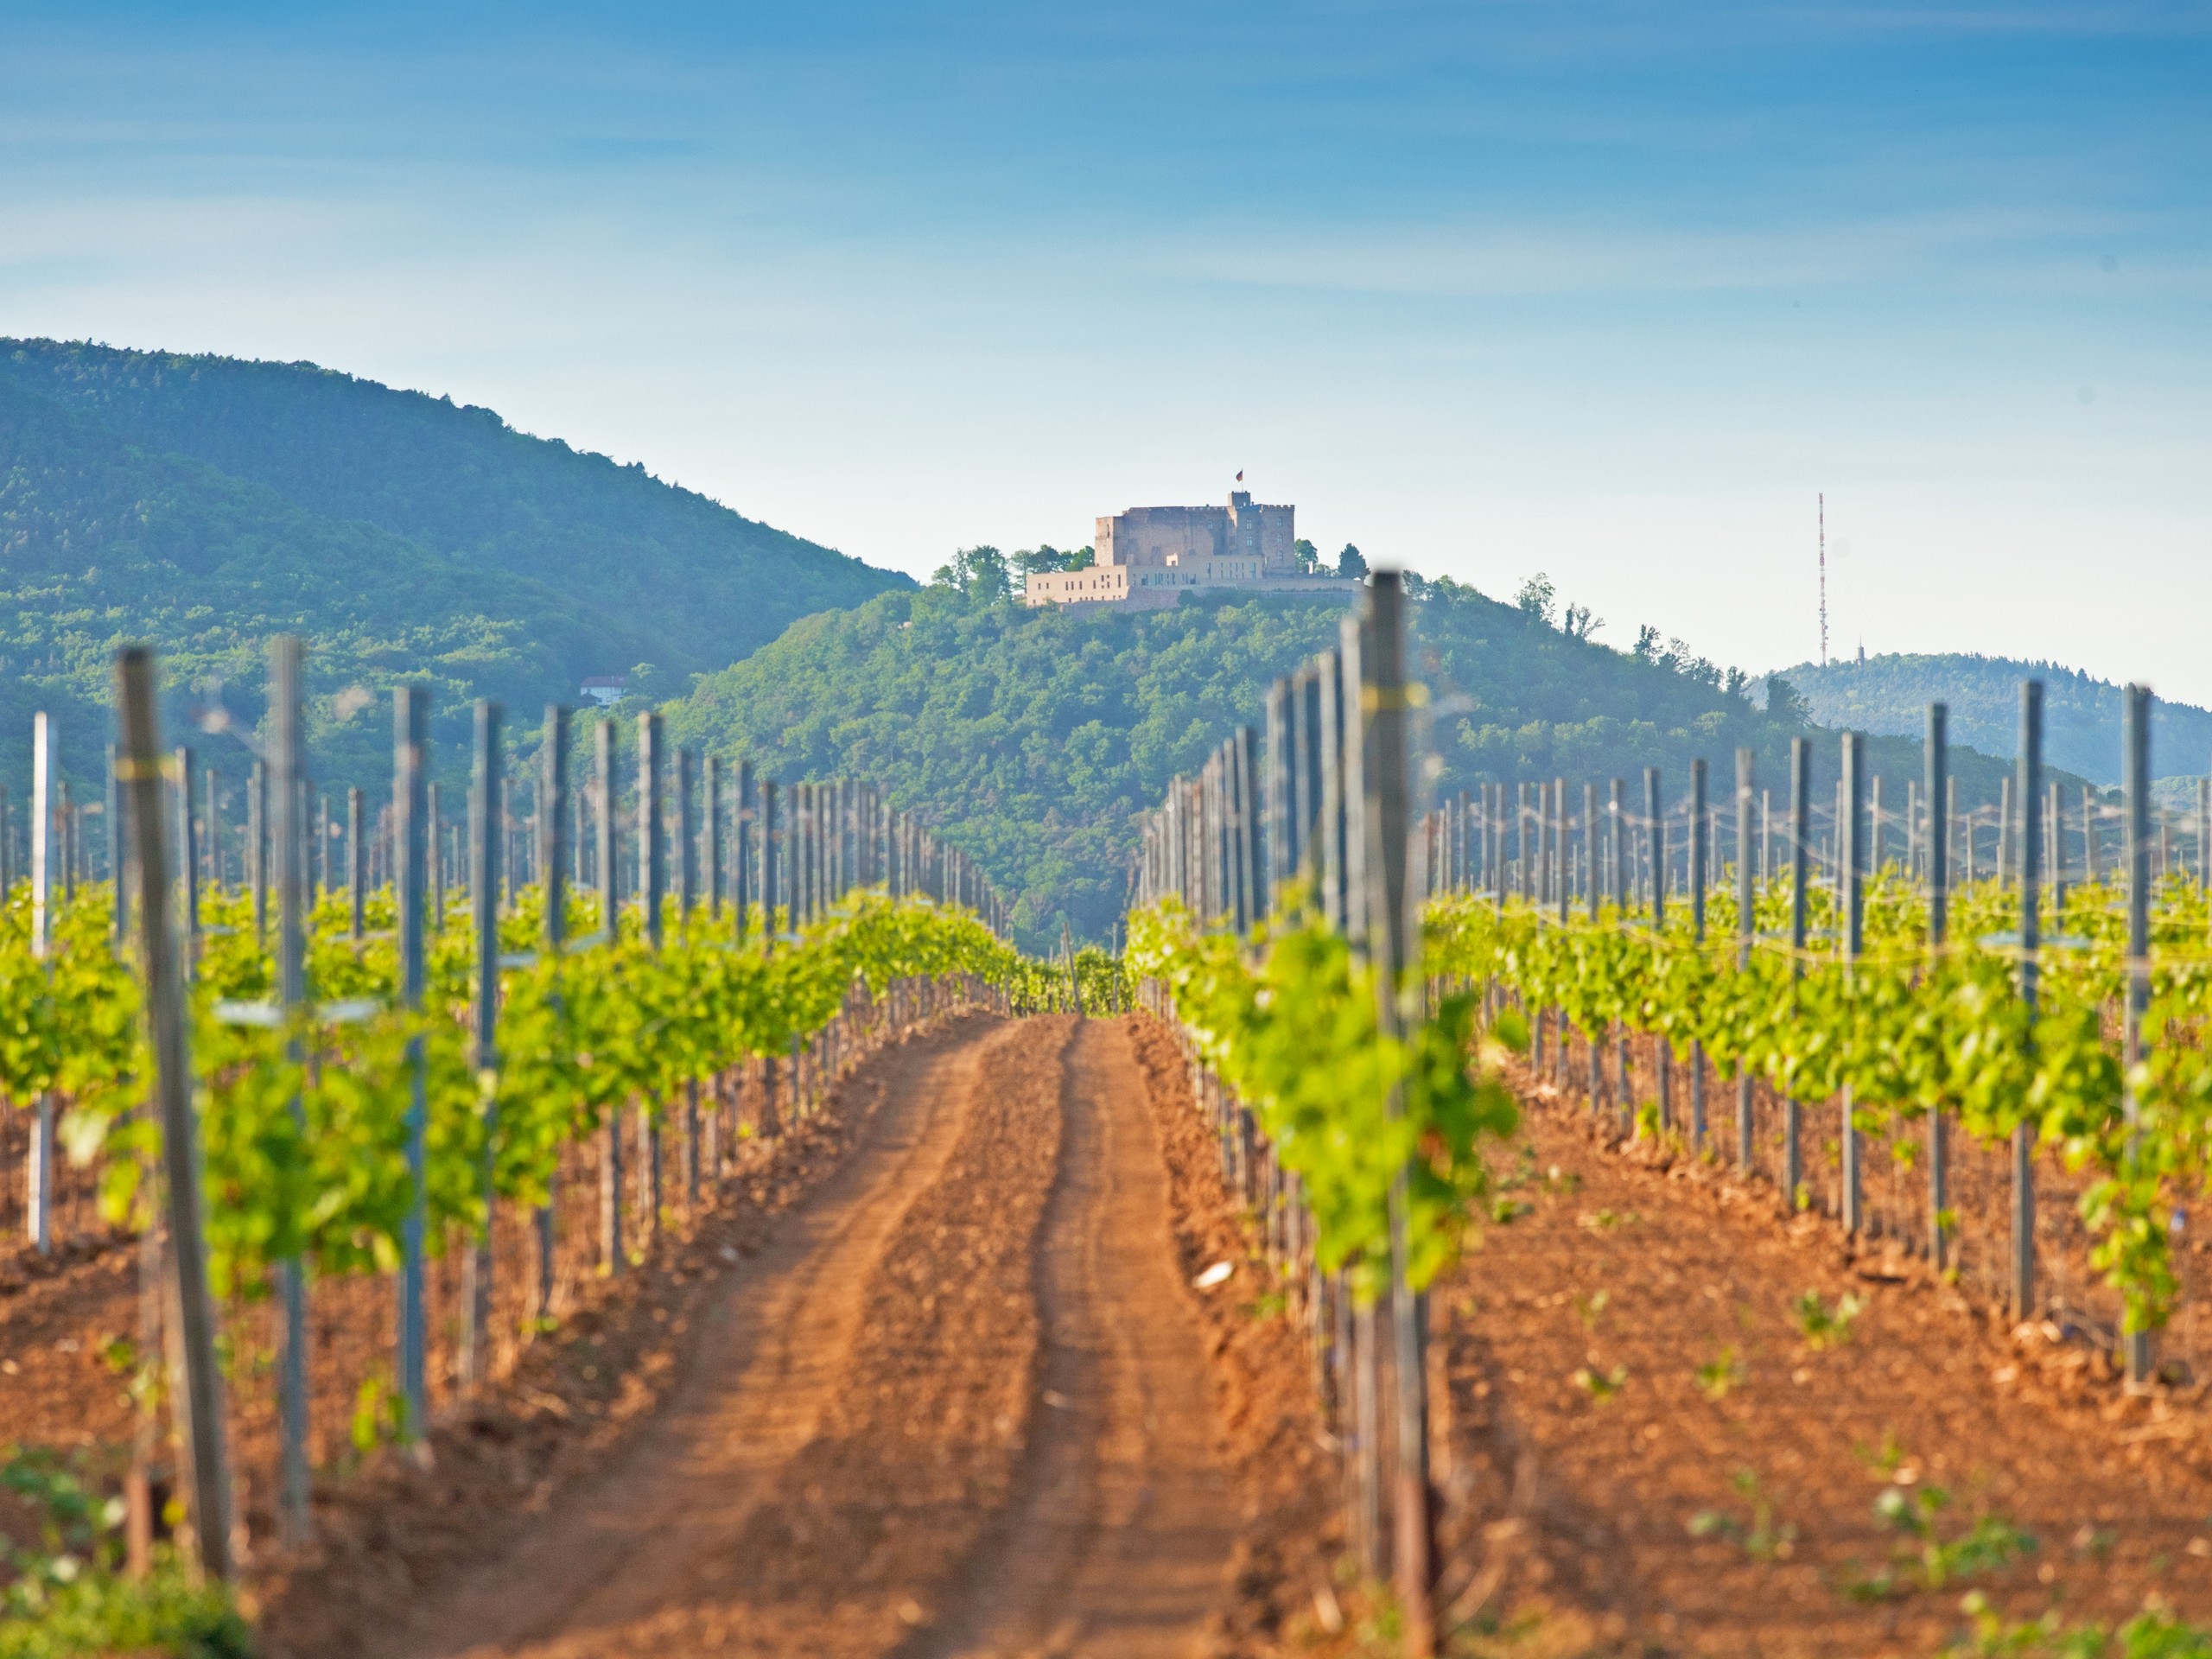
1034 739
1350 563
977 572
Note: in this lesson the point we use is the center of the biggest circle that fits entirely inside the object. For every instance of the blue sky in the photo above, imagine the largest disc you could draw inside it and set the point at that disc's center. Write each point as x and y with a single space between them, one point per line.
1609 290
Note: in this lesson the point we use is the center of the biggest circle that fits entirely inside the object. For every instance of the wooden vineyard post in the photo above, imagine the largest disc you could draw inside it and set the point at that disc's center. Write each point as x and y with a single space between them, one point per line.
195 1382
1563 851
2054 831
553 860
1331 861
1852 844
770 845
410 734
1801 836
711 795
257 846
38 1191
611 1246
188 868
652 883
1392 936
485 857
119 888
434 830
687 851
2006 857
357 862
687 858
1938 780
1617 851
2137 780
1701 851
1746 932
287 761
2027 860
741 884
2204 833
1655 836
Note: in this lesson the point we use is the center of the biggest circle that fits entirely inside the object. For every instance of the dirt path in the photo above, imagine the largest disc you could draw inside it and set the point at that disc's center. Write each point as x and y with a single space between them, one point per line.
1671 1291
1117 1540
958 1403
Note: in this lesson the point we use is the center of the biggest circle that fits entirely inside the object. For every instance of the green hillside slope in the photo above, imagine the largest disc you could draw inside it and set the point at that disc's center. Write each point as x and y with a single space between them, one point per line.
1037 736
2082 714
644 559
102 543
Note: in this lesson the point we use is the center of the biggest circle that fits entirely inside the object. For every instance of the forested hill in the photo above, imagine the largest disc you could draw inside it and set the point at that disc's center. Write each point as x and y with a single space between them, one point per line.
203 503
2081 716
1035 737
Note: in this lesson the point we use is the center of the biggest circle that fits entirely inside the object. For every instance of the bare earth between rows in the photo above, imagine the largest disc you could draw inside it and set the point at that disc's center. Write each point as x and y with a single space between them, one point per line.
958 1400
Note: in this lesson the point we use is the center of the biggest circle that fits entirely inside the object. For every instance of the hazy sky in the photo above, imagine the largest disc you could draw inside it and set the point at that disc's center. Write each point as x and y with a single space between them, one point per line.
1608 291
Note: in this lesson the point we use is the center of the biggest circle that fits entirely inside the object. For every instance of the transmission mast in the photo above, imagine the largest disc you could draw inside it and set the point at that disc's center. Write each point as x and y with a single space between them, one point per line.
1823 500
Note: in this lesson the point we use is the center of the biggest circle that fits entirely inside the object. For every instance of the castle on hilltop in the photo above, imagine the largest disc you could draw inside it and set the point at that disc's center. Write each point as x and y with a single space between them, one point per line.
1150 556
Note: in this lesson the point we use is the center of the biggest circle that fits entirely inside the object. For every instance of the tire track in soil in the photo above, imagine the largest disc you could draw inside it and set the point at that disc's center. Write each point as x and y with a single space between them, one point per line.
620 1552
1124 1526
867 1450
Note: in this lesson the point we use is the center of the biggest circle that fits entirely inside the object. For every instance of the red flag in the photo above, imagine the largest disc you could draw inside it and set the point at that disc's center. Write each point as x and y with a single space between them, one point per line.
1240 477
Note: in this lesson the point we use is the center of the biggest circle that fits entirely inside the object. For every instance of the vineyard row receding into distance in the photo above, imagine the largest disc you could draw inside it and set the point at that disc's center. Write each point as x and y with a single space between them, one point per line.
459 1093
2001 1074
458 1086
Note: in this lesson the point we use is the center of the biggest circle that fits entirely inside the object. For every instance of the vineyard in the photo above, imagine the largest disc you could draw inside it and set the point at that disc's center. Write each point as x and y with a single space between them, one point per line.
1491 1228
1992 1091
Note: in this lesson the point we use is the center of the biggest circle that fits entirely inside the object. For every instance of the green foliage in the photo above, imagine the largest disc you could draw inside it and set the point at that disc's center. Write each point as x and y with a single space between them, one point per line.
979 573
69 1595
1991 1545
1824 1326
1290 1025
304 1125
1759 1535
1907 1031
1039 736
1724 1372
200 504
1602 1387
2154 1633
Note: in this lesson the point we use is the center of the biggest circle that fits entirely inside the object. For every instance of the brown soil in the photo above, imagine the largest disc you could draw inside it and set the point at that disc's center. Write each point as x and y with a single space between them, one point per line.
953 1398
1263 1375
1575 1511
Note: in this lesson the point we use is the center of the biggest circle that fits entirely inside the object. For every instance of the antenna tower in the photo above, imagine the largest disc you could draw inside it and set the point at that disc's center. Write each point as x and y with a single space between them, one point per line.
1823 500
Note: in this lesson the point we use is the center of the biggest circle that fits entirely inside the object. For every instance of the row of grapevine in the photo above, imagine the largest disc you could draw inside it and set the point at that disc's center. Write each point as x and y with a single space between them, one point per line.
1278 928
310 1093
1869 1002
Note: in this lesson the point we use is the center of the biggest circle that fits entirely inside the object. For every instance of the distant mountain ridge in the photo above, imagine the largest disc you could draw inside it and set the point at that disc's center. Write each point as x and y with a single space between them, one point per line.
1890 694
203 503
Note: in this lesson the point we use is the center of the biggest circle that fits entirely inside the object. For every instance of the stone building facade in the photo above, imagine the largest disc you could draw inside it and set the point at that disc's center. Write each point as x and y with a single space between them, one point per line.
1151 556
